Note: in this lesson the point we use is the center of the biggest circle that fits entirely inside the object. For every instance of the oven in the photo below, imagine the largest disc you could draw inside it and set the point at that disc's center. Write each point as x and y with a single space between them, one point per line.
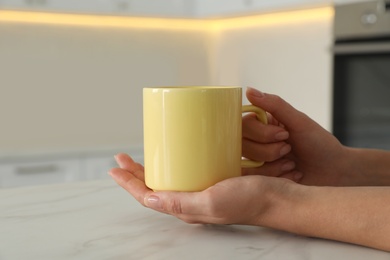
361 74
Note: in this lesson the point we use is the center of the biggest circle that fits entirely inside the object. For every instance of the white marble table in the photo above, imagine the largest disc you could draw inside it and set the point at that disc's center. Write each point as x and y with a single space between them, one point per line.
99 220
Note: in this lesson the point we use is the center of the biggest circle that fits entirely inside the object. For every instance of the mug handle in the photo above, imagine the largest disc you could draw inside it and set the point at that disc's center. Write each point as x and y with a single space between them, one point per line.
262 117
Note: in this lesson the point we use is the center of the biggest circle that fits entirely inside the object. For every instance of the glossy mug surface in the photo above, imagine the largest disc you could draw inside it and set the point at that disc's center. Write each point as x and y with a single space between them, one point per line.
193 136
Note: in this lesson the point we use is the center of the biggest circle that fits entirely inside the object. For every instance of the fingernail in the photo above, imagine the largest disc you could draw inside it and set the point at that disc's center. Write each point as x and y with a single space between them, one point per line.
153 202
282 136
288 166
256 92
117 161
285 149
111 173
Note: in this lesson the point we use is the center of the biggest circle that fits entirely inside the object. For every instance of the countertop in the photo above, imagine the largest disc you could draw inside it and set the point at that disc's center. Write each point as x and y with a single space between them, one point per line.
99 220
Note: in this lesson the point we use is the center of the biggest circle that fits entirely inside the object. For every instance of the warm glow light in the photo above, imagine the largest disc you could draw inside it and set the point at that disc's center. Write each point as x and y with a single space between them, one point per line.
218 24
101 20
287 17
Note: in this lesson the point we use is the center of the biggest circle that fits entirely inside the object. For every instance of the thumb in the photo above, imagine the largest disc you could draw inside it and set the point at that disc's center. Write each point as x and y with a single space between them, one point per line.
175 203
282 111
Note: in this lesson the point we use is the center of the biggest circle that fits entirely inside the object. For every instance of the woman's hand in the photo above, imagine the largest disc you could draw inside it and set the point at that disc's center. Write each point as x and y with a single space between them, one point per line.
314 152
278 202
241 200
267 143
272 202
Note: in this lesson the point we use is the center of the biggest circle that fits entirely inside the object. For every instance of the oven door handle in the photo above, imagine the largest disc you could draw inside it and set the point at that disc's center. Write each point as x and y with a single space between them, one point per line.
361 48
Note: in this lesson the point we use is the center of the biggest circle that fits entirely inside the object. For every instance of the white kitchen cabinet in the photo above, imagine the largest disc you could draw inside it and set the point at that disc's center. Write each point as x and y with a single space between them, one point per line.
181 8
76 6
49 168
93 6
38 172
206 8
165 8
120 7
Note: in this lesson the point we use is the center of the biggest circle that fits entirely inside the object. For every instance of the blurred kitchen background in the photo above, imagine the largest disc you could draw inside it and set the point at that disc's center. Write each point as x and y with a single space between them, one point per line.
72 71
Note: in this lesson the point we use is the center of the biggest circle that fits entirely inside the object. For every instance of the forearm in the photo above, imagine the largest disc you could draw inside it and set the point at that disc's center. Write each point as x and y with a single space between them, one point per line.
368 167
358 215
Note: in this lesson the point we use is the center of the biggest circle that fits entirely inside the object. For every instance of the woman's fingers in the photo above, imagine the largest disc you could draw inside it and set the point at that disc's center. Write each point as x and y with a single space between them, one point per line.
127 163
296 176
264 152
188 206
131 183
213 205
263 143
286 114
272 169
255 130
177 203
284 168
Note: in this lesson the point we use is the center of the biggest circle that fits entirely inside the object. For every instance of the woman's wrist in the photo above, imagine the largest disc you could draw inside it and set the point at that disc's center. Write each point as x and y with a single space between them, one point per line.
336 213
282 200
368 167
295 209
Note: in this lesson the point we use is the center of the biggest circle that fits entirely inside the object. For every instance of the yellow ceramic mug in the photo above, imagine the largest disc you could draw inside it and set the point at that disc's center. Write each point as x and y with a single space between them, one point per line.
193 136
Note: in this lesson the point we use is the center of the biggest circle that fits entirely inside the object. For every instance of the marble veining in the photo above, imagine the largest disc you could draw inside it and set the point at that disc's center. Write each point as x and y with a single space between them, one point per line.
99 220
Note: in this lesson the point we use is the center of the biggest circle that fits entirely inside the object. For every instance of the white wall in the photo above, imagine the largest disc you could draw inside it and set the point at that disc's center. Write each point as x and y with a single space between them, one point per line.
76 87
71 87
288 57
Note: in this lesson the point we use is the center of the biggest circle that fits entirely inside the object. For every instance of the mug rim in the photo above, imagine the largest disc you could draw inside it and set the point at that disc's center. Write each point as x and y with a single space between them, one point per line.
195 87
